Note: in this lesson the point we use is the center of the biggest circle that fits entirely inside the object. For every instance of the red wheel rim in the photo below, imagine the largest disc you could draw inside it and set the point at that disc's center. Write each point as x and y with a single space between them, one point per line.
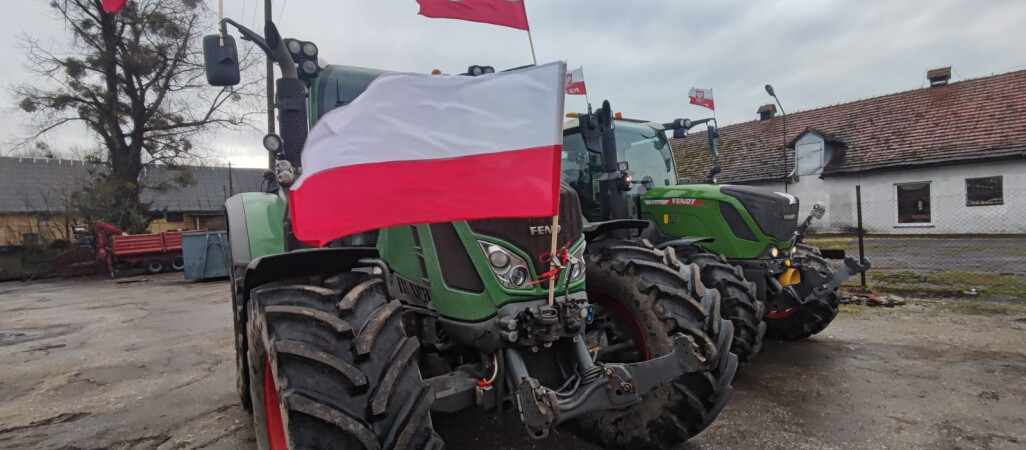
272 411
622 312
783 314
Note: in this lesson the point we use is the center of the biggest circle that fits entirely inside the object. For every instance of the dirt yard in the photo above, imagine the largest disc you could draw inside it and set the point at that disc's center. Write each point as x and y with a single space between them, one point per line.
90 364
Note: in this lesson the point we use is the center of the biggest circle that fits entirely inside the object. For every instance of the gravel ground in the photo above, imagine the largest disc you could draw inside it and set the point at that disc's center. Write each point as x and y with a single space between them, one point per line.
90 363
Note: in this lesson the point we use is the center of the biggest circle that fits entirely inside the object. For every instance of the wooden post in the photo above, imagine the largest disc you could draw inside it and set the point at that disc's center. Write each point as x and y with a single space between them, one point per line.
862 247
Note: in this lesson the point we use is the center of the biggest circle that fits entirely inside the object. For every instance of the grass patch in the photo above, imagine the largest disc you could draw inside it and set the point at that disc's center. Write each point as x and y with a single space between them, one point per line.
952 281
981 308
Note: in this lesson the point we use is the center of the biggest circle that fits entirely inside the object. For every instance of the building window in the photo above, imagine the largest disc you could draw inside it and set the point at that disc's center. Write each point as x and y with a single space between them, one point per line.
175 217
913 203
984 191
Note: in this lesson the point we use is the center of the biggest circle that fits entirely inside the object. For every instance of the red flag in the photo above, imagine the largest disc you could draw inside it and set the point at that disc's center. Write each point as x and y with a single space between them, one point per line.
702 97
431 169
507 13
575 82
113 6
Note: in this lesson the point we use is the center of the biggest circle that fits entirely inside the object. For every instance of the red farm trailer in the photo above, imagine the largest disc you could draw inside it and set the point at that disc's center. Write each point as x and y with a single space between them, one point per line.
110 248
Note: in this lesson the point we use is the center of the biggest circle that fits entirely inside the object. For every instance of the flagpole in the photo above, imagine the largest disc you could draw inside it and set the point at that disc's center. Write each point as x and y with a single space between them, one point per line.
531 40
586 99
714 108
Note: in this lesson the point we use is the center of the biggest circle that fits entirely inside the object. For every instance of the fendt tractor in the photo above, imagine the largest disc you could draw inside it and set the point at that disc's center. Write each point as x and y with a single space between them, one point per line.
354 344
745 240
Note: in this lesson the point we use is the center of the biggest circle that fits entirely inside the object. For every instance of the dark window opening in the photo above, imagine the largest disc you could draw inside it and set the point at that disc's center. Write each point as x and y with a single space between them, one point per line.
984 191
175 217
914 203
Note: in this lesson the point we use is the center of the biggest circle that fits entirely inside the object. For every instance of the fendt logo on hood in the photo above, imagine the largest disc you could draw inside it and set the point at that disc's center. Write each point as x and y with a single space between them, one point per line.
677 201
542 230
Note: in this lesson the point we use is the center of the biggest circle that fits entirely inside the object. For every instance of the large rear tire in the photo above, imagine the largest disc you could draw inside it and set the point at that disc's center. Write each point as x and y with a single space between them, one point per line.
330 367
739 302
815 315
649 290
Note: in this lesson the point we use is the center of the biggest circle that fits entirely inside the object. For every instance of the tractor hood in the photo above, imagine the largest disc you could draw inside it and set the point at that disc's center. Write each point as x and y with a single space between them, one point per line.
743 221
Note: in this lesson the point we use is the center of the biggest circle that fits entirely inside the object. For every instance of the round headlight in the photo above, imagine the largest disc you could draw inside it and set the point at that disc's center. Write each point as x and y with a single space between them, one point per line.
498 258
273 143
294 46
518 277
774 252
310 49
309 67
575 271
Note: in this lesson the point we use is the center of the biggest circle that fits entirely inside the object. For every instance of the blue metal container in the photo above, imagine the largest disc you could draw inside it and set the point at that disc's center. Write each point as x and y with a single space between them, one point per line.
206 254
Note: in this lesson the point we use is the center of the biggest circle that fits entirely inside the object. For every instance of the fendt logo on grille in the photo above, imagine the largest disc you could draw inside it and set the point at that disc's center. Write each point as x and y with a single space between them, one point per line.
542 230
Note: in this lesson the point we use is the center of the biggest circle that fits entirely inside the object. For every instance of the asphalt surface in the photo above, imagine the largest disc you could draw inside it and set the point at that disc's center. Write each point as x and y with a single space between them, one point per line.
90 364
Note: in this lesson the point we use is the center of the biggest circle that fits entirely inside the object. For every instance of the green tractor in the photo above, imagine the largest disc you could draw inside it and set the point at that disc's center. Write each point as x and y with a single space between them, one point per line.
745 240
355 344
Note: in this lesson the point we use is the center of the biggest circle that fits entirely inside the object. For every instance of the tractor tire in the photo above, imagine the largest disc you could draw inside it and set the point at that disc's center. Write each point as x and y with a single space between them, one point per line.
177 263
155 266
648 290
812 317
739 302
331 367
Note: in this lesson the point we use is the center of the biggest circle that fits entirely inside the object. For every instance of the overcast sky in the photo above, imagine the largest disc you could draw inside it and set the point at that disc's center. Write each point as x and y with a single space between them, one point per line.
641 55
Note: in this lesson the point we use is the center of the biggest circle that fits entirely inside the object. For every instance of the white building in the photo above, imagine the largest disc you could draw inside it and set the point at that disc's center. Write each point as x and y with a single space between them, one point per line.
946 159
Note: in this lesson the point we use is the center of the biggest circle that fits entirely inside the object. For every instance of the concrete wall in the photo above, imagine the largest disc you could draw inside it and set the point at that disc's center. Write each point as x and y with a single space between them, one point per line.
949 213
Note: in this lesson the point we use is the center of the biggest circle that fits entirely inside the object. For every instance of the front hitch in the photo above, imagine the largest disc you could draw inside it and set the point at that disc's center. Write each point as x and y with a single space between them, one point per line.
601 386
850 269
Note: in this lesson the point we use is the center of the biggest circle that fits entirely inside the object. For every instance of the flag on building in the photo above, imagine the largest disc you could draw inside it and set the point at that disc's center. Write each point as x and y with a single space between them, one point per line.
417 148
702 97
113 6
575 82
507 13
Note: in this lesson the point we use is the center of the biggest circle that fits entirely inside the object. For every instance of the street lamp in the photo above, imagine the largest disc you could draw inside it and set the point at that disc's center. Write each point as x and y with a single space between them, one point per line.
769 90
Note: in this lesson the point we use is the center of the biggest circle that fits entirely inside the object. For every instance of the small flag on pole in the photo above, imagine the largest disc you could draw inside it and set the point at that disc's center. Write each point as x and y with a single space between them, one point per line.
702 97
362 172
507 13
113 6
575 82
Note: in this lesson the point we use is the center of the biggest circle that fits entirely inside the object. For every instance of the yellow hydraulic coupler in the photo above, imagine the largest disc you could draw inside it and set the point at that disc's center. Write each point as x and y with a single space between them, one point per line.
789 277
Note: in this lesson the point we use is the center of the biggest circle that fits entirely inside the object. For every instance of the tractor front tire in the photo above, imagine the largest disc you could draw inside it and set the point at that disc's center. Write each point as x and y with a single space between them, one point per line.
812 317
739 302
331 367
647 288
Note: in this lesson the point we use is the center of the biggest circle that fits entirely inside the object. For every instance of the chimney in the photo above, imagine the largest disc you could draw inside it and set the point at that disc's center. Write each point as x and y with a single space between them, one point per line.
939 76
766 112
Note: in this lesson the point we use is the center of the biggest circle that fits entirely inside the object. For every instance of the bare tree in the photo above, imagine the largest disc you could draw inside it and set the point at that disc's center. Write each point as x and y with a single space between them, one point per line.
135 80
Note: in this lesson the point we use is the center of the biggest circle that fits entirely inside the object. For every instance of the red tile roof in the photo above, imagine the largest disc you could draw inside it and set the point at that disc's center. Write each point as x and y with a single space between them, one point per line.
973 120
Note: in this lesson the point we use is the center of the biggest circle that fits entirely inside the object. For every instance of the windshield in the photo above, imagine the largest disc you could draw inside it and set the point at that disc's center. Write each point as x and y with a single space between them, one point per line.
646 151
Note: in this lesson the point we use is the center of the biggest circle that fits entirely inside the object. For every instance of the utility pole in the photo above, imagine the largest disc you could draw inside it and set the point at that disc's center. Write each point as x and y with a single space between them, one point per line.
783 116
270 88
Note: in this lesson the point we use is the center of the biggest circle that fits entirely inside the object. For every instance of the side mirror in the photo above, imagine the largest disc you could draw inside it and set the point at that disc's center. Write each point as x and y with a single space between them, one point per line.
221 60
713 134
818 210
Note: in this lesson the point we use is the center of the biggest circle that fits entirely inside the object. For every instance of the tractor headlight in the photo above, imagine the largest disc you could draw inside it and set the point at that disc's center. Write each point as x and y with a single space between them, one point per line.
577 264
509 269
774 252
309 49
794 249
273 143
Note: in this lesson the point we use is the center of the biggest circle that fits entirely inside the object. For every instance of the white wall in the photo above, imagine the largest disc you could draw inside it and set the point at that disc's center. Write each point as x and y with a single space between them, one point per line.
949 213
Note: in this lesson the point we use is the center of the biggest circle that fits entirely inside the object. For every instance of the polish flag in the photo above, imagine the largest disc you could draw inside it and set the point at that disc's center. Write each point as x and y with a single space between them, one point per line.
507 13
575 82
702 97
113 6
418 148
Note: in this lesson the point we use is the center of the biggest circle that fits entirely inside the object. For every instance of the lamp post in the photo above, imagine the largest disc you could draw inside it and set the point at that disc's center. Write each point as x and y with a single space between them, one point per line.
783 116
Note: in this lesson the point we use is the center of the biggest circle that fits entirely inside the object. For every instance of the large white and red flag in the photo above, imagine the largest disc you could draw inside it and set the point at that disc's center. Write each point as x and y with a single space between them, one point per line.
417 148
702 97
575 82
507 13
